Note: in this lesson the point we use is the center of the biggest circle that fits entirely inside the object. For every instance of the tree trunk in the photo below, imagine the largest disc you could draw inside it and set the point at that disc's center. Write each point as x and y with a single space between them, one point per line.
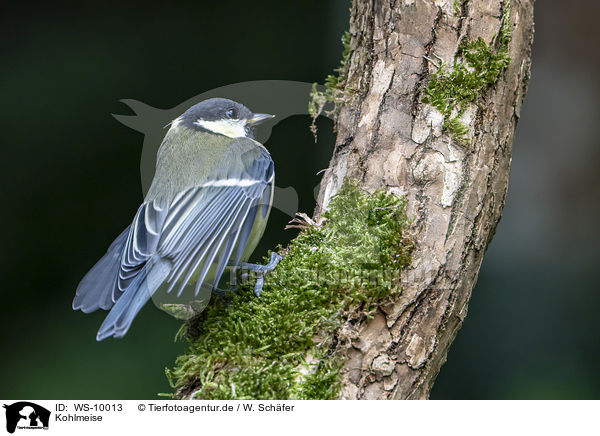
388 138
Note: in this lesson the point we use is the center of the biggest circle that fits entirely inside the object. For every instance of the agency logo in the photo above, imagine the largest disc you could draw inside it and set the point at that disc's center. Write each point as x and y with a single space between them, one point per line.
26 415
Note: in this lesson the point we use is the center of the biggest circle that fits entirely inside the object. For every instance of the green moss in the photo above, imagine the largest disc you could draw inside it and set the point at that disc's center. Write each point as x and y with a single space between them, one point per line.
246 347
477 66
329 100
457 4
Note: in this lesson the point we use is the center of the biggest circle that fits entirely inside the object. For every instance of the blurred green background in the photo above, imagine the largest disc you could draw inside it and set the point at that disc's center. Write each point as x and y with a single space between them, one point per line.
70 177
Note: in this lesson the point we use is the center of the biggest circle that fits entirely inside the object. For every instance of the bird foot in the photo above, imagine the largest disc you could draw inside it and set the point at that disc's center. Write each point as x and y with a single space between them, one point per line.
261 271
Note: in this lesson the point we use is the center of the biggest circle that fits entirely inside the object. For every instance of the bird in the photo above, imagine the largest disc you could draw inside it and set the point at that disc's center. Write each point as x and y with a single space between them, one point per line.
205 211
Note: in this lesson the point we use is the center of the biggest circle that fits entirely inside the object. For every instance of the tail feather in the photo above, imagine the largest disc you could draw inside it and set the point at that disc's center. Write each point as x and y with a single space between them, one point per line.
140 290
97 289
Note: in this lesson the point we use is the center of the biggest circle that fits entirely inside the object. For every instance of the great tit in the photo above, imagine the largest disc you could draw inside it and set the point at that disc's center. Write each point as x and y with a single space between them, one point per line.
206 210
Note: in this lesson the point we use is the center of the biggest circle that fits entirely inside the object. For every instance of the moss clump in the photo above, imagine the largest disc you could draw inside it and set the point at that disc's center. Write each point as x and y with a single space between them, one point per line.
246 347
477 66
328 101
456 6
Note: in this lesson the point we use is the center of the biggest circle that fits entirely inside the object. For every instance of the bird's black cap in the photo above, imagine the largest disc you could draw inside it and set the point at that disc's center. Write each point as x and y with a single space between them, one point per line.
215 109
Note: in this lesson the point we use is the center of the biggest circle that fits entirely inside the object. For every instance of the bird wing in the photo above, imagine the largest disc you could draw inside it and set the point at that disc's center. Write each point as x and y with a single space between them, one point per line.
206 224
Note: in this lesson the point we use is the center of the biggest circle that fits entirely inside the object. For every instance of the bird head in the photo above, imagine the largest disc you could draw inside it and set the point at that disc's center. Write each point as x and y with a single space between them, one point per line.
223 117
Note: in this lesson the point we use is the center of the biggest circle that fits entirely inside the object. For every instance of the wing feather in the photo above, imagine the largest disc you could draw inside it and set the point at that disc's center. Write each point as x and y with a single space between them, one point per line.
200 251
202 227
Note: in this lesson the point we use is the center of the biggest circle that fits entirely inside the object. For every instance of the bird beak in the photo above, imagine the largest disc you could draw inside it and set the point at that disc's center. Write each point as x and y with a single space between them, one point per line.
258 119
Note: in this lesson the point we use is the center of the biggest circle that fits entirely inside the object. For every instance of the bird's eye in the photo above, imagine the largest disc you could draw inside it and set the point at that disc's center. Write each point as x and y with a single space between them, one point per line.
231 113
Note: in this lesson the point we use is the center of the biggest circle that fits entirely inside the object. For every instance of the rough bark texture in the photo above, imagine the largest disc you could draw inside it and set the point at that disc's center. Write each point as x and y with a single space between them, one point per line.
388 138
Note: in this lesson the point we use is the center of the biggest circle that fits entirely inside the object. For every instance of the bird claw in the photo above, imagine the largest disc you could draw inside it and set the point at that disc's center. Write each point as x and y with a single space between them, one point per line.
261 271
301 221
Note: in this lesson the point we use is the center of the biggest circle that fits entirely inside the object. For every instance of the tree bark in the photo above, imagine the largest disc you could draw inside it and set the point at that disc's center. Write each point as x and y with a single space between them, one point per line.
387 138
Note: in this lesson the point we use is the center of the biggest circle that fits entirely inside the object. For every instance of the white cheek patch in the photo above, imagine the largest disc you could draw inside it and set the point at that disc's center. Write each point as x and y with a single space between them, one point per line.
230 128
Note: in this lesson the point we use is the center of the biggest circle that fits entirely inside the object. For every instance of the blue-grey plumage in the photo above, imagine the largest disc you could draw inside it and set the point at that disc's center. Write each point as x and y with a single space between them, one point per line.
206 210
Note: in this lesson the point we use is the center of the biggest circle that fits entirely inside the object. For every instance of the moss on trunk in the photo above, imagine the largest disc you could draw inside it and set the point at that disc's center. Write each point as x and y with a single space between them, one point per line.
244 347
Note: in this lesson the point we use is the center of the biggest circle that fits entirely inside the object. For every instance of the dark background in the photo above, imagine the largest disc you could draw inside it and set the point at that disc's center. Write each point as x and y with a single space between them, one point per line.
70 183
